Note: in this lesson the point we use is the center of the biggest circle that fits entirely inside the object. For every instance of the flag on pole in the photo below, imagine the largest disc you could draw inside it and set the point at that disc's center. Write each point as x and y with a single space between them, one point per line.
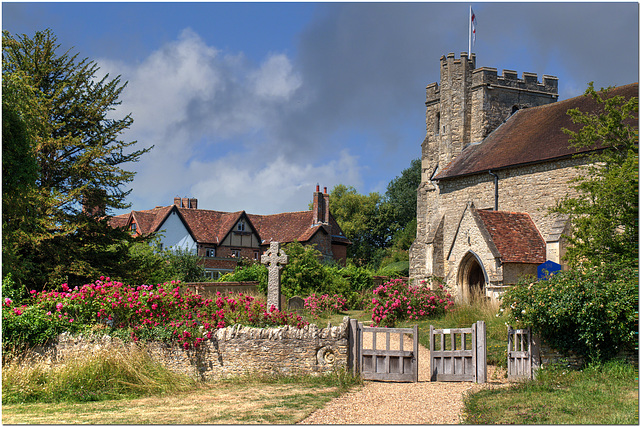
472 29
473 25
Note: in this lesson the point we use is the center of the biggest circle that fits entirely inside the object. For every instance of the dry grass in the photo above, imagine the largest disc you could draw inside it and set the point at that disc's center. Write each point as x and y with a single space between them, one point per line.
109 373
231 402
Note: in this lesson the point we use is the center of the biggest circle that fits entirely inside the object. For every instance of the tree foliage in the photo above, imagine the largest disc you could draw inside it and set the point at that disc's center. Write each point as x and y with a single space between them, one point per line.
604 215
381 228
60 122
591 312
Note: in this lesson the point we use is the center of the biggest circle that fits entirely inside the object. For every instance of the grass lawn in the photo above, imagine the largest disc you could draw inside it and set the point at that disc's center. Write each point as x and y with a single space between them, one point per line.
234 401
605 394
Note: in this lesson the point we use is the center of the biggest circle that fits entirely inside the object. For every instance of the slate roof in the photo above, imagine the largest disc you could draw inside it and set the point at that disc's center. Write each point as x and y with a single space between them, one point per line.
531 135
515 236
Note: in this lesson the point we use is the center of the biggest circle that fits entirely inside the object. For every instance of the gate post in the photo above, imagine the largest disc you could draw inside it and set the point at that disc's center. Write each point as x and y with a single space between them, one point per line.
481 352
353 358
416 347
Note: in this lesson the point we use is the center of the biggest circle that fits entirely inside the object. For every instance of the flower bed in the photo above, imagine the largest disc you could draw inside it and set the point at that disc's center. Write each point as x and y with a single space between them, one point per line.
317 305
396 300
144 312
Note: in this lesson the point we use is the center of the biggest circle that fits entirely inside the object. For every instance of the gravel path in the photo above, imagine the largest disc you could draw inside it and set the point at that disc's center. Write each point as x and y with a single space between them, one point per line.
424 402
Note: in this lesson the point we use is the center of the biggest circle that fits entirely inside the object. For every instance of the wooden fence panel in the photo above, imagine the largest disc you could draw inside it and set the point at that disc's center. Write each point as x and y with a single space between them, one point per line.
387 364
519 354
458 354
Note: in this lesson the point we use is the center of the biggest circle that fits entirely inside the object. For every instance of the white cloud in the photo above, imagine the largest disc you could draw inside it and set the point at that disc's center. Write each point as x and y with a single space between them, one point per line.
271 187
275 78
211 117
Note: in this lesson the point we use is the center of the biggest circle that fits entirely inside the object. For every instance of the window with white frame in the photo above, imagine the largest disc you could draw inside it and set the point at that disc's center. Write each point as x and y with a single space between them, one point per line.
235 253
210 252
241 226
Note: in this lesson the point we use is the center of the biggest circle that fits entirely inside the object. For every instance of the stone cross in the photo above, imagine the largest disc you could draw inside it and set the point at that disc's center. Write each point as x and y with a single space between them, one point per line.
275 261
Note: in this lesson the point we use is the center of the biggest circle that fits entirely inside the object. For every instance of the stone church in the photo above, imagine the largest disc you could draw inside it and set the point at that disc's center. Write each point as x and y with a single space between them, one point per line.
494 160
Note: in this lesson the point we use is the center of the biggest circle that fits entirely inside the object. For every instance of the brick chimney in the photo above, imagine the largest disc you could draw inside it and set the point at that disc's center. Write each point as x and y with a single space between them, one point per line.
320 206
186 203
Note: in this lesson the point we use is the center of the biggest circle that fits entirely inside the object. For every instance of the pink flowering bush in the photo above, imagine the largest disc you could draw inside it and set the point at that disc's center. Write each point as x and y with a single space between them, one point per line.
145 312
324 304
396 301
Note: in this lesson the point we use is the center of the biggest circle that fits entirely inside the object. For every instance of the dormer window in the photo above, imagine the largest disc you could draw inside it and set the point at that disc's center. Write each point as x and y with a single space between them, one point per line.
240 226
134 228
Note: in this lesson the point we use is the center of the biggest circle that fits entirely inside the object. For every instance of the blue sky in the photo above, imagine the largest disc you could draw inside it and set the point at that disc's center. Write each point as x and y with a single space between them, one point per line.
250 105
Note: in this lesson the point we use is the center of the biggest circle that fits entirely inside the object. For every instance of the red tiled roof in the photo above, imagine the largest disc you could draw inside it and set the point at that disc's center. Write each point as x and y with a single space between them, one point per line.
119 220
515 236
531 135
210 226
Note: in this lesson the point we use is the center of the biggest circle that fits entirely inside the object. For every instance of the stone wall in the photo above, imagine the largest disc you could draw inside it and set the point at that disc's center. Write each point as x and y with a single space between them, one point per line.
233 351
531 189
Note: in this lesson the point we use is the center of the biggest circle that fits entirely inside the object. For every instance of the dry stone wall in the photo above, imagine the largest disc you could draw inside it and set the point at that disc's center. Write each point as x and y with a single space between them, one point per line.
232 351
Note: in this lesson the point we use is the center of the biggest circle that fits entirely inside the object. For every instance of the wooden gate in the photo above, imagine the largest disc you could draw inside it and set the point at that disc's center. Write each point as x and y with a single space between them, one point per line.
519 354
461 356
384 358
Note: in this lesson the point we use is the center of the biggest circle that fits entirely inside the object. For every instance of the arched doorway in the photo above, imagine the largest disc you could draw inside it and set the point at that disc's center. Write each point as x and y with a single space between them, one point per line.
472 277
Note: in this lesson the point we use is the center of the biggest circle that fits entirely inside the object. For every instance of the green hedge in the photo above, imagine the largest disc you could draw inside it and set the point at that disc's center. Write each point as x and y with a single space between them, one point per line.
591 312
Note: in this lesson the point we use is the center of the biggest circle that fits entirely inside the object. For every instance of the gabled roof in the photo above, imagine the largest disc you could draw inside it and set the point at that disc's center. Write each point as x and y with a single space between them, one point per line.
211 227
514 235
531 135
287 227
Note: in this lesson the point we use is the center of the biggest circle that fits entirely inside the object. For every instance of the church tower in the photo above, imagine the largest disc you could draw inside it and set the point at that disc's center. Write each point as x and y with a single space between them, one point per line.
463 109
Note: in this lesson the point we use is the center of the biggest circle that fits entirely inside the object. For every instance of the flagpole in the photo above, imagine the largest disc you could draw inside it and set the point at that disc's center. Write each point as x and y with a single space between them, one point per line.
469 30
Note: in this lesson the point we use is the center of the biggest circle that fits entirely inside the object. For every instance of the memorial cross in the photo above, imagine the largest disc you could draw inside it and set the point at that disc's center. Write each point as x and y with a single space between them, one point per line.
275 259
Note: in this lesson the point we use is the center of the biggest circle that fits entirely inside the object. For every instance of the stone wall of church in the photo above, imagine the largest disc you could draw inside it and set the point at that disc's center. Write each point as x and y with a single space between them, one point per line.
531 189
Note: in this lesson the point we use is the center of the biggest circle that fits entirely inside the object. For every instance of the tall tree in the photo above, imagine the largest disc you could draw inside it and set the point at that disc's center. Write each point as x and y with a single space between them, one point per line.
604 215
358 217
402 193
79 157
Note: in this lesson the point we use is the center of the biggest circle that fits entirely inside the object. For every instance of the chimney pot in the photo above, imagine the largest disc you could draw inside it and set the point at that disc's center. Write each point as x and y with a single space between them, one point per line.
318 188
325 189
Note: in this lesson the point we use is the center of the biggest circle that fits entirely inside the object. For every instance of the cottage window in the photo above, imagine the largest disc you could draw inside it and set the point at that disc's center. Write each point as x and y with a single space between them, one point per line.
235 253
211 252
134 228
241 226
256 255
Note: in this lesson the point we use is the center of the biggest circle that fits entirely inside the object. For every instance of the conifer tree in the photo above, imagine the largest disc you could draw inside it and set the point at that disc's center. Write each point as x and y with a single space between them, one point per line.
66 111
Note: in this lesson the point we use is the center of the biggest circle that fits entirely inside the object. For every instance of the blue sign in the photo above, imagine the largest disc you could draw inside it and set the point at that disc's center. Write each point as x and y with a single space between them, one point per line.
547 269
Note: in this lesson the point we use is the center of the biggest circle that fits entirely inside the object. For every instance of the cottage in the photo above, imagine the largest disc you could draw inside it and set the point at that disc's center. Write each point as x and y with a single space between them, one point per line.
222 238
494 160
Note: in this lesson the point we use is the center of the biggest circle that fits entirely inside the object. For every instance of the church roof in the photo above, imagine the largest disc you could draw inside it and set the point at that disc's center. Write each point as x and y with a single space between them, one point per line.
515 236
531 135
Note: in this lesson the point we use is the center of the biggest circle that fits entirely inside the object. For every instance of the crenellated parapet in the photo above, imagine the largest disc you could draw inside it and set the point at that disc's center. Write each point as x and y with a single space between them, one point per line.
488 77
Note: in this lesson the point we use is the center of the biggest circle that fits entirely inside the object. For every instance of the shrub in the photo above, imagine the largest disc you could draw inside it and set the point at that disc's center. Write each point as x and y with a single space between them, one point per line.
396 300
143 312
324 304
591 311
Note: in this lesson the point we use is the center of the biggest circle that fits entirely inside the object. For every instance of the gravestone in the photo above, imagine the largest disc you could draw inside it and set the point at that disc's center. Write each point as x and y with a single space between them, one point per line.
275 259
296 302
